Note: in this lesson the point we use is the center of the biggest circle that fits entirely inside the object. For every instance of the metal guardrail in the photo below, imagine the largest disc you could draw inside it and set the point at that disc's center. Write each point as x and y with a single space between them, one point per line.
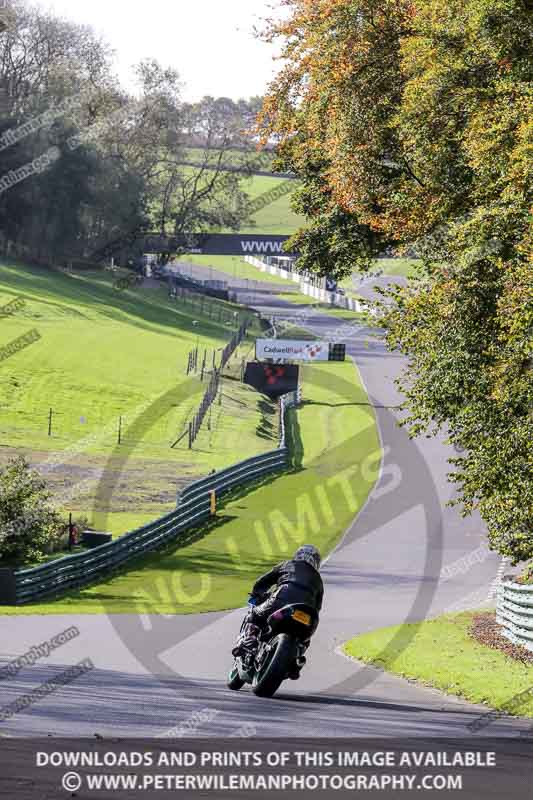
514 612
193 508
287 401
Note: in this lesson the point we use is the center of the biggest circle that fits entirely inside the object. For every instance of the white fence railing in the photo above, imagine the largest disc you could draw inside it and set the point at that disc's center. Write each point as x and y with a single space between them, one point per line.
311 289
514 612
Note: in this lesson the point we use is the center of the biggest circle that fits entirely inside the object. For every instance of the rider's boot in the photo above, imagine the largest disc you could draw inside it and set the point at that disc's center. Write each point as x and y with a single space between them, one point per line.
248 641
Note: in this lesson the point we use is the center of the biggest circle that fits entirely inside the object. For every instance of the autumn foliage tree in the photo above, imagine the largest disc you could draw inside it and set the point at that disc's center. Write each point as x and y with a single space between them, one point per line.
409 122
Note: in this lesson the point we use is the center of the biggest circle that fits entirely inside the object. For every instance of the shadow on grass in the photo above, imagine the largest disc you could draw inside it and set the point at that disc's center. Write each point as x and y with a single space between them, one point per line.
331 405
150 312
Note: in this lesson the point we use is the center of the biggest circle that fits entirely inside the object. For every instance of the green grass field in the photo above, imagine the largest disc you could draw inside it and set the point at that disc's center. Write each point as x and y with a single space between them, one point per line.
346 314
234 158
103 355
443 655
275 218
403 267
331 436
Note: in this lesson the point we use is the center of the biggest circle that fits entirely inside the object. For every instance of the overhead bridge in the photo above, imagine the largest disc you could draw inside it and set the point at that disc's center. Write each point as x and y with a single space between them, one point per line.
219 244
209 244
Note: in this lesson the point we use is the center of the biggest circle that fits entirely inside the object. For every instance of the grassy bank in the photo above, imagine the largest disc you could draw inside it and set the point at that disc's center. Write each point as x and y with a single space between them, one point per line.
276 216
101 354
325 308
331 436
109 360
442 654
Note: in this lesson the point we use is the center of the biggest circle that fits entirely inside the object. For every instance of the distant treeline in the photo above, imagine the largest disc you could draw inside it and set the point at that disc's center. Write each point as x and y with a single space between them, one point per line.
83 164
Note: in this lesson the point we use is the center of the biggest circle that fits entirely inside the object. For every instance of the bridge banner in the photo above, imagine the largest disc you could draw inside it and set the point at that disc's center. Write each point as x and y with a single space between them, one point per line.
221 244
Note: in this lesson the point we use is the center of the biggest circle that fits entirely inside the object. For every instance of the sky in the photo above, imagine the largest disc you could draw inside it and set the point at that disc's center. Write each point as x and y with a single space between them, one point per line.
209 42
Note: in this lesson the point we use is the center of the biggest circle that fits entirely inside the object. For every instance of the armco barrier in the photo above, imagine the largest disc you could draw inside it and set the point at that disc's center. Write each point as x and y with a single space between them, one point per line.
514 612
194 507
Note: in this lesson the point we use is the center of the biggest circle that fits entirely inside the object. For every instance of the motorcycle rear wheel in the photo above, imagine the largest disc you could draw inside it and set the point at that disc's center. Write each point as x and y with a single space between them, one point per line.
274 671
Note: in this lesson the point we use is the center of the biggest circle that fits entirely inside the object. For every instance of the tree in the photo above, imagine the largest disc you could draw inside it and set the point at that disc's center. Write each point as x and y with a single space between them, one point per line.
409 122
27 521
119 169
55 79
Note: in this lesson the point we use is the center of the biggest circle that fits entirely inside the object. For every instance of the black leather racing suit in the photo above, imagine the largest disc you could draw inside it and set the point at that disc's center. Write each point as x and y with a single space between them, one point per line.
295 581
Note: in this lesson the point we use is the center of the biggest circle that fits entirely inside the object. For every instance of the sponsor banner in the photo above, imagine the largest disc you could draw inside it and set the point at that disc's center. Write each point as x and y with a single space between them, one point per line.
291 350
273 380
224 244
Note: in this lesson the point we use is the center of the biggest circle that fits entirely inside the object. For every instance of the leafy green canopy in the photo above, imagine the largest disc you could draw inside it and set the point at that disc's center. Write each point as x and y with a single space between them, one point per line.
27 521
409 122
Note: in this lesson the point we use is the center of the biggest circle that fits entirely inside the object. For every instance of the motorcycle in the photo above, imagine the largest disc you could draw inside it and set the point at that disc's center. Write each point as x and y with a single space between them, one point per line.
281 652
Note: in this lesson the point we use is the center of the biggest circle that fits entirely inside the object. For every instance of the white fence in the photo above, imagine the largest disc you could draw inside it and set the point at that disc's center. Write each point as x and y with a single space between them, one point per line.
514 612
310 287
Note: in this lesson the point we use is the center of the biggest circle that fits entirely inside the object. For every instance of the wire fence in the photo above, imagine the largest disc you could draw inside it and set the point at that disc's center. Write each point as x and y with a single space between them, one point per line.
219 312
62 426
75 418
213 388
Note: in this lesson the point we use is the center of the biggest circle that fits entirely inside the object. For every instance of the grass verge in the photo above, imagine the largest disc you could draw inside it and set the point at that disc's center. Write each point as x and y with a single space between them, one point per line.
442 654
332 436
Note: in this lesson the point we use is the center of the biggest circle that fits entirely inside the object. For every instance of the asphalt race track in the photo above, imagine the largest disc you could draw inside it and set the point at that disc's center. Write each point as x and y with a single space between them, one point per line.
152 673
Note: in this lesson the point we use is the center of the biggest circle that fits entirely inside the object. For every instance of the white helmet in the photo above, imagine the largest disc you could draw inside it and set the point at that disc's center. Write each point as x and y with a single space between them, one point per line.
310 554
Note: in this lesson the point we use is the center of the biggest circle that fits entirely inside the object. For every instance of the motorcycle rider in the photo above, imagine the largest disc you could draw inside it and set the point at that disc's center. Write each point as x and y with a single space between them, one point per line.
296 581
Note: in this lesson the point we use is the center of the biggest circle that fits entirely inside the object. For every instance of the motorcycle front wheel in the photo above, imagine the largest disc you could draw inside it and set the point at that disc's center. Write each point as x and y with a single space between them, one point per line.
275 667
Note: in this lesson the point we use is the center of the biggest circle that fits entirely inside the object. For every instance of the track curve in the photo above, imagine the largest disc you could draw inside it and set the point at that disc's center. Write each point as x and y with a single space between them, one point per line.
373 579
